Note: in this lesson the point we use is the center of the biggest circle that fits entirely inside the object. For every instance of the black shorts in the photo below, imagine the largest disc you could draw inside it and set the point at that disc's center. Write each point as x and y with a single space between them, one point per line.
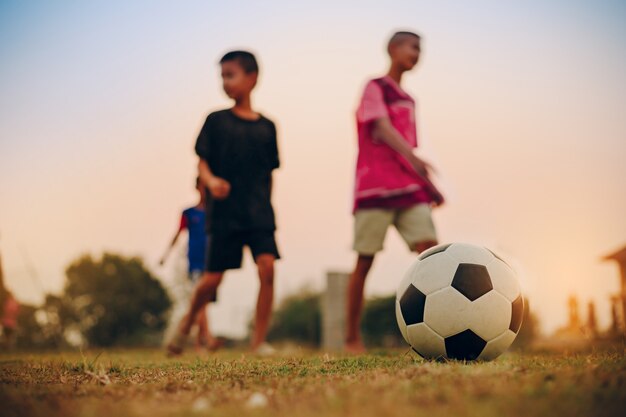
225 250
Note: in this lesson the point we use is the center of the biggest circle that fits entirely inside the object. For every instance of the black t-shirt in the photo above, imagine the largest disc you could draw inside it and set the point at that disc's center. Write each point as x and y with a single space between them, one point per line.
244 153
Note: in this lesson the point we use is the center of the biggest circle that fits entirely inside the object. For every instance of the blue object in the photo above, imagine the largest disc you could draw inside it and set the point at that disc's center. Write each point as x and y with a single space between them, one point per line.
196 251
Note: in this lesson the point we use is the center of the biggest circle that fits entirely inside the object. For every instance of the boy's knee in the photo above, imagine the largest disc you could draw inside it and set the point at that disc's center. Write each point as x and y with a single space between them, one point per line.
210 281
205 290
265 263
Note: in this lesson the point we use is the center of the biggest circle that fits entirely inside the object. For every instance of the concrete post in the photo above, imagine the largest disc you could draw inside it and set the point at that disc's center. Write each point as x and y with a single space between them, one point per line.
334 310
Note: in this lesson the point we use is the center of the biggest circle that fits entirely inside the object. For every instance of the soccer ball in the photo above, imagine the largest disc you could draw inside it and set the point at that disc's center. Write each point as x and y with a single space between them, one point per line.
459 301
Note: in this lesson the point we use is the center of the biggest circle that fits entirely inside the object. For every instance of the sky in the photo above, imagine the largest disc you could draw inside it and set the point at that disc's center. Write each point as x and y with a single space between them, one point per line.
520 108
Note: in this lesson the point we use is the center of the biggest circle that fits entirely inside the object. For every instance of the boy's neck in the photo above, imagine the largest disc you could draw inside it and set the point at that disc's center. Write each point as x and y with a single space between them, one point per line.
395 73
243 108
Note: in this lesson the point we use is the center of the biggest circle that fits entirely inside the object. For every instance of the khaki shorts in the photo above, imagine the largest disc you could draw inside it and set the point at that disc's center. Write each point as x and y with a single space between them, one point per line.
414 224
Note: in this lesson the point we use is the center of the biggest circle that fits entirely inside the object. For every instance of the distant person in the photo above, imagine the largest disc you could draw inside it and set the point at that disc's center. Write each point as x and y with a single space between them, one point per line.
393 185
8 320
193 220
238 152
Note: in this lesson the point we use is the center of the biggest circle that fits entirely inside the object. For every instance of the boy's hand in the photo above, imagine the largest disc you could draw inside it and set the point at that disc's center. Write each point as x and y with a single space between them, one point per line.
438 198
424 169
436 195
219 188
420 166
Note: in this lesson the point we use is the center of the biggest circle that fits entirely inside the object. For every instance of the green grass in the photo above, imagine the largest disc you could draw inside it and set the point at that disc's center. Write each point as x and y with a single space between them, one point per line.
123 383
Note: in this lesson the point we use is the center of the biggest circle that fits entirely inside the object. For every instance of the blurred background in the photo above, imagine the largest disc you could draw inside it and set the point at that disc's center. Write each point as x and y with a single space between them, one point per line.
520 108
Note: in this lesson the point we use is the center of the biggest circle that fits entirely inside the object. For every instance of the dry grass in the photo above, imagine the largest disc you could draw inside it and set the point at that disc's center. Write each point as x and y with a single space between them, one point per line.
145 383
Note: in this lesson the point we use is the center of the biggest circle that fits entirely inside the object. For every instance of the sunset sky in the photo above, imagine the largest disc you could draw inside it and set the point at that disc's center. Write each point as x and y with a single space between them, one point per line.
521 107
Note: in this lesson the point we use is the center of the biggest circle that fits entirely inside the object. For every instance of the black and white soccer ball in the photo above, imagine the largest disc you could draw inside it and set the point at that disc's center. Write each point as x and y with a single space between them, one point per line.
459 301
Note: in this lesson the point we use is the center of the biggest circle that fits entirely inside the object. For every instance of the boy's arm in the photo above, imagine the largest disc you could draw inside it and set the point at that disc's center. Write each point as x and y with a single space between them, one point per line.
384 131
219 187
172 243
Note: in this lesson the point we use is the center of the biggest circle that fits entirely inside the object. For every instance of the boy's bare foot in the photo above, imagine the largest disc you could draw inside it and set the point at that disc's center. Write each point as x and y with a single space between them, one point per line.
176 346
214 344
264 349
173 350
354 348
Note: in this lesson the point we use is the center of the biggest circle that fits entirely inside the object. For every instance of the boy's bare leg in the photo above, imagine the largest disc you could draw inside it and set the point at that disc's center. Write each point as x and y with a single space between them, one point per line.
204 335
205 338
205 291
265 265
354 344
212 343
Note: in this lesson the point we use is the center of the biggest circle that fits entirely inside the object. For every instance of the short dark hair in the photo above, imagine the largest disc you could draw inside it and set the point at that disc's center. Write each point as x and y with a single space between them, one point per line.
198 182
244 58
401 35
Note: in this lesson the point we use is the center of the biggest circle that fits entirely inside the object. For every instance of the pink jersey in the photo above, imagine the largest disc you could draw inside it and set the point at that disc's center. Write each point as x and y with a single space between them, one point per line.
384 178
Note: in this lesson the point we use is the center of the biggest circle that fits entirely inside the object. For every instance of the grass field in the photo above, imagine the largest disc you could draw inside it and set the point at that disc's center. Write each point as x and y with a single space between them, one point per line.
303 383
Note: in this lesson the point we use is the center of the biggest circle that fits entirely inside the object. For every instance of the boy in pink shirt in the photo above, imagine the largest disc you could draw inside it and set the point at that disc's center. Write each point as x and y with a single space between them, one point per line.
392 184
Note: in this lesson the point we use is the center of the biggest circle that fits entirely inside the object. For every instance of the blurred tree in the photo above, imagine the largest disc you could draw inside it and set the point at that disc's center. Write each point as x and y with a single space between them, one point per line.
43 326
113 300
379 324
298 318
29 331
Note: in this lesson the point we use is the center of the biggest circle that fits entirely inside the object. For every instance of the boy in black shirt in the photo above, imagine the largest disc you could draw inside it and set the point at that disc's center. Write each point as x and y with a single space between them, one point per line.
238 152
